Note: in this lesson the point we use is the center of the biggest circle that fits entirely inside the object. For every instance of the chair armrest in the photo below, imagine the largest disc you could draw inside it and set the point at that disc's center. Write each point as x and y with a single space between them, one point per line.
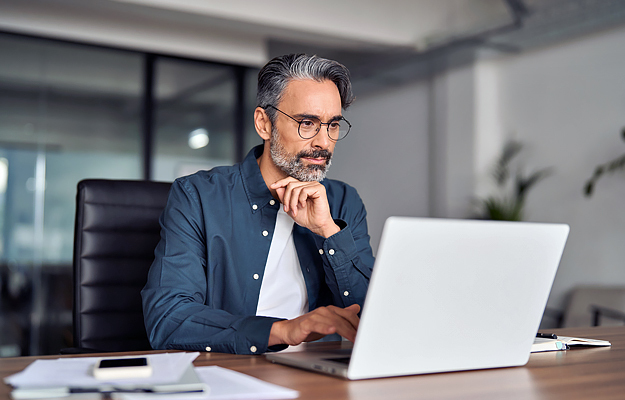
599 311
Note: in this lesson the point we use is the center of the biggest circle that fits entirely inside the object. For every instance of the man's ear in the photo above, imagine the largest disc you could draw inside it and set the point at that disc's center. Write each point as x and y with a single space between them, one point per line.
262 123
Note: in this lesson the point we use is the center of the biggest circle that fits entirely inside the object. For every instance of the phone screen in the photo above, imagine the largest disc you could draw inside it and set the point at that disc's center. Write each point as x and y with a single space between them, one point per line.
123 362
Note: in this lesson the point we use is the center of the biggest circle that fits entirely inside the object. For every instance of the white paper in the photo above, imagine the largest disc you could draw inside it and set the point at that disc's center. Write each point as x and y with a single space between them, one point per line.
225 384
78 372
573 341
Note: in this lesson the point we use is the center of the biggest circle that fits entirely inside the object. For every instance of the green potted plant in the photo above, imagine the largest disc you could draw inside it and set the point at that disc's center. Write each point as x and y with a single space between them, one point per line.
509 203
600 170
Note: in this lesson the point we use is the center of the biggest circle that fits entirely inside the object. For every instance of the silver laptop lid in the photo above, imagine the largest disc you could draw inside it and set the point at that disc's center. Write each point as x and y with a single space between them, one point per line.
450 295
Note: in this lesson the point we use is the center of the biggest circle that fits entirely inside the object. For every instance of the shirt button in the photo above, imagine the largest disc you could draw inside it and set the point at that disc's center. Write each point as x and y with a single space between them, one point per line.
320 251
253 349
346 293
331 252
208 348
256 276
272 202
254 207
265 233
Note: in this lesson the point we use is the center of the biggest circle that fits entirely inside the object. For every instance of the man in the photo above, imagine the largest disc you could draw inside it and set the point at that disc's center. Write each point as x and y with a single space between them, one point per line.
266 253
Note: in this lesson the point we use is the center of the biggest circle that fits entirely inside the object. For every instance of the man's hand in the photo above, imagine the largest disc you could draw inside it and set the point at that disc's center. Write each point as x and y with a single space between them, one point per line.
307 204
315 325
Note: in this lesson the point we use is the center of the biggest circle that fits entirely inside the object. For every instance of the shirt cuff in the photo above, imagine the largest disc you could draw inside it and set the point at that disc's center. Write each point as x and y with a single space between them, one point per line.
256 331
339 248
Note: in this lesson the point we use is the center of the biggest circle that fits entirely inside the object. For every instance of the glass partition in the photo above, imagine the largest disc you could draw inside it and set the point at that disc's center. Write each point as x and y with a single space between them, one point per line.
195 111
67 112
71 111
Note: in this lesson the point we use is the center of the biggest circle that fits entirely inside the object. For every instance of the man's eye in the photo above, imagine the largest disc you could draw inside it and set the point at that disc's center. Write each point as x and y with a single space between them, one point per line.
335 125
306 123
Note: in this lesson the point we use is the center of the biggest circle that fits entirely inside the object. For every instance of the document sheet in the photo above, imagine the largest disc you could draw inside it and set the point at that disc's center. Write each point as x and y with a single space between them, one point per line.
55 378
78 372
226 384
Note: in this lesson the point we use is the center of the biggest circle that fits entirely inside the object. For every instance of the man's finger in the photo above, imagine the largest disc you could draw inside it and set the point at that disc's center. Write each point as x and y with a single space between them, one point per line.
283 182
321 322
283 191
346 329
309 191
350 314
329 324
296 194
292 194
347 321
344 321
280 192
300 194
286 198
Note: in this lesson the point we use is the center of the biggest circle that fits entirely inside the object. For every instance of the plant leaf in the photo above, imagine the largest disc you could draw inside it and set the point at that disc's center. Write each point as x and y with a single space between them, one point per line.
501 172
589 188
523 185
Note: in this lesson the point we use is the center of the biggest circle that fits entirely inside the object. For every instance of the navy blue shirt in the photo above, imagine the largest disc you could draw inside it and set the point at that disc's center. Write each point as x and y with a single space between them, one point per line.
203 286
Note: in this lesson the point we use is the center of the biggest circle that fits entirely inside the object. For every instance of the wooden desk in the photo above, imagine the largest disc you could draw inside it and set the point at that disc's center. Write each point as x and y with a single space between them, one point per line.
574 374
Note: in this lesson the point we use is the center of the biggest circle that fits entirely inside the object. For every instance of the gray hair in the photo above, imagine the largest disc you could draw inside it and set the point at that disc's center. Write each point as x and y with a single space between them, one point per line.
277 73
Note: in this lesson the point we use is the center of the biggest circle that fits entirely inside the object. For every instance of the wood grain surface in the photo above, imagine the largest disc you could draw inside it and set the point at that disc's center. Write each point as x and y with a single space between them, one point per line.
597 373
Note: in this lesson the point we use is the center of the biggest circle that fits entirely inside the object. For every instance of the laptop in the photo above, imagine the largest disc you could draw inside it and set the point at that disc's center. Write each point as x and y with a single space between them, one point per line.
448 295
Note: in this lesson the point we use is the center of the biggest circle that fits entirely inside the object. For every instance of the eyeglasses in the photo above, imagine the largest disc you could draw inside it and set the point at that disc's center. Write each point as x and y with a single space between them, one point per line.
309 126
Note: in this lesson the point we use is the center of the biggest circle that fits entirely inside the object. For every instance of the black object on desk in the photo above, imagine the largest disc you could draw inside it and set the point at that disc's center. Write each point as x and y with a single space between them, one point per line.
547 335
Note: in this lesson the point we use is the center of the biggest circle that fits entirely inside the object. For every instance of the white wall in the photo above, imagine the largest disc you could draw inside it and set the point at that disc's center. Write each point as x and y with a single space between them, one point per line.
432 157
385 156
452 129
567 104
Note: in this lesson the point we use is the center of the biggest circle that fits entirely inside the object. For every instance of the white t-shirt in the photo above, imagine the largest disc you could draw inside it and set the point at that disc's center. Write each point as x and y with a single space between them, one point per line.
283 290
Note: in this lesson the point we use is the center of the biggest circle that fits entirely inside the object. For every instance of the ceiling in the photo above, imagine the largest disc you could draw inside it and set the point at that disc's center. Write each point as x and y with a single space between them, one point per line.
397 25
347 24
368 36
356 26
528 24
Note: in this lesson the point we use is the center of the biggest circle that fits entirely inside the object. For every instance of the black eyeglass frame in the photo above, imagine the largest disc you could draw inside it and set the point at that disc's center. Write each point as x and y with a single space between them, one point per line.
299 124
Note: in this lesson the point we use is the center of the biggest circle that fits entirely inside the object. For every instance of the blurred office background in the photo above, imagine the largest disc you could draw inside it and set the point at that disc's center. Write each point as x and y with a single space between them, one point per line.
156 89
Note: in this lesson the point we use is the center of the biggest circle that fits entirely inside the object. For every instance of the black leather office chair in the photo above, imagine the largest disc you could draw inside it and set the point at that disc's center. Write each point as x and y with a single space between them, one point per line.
115 235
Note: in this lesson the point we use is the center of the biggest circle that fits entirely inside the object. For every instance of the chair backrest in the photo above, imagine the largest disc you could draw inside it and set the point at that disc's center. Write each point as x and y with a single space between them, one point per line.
116 231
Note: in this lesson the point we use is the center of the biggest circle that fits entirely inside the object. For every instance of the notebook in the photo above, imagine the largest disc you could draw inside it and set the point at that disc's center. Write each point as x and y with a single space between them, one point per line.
448 295
566 343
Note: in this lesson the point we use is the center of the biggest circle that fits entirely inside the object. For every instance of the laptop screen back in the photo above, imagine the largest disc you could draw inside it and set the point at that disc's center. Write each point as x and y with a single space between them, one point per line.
449 295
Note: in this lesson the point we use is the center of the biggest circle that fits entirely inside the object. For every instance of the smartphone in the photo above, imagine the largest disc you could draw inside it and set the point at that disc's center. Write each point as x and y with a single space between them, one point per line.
121 368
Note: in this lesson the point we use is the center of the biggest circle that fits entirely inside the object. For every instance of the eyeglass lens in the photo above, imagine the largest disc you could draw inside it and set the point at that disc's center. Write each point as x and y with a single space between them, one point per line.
309 127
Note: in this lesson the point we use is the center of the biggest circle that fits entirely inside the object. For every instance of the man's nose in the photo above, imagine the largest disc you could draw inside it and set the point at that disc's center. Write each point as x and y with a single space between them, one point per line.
321 139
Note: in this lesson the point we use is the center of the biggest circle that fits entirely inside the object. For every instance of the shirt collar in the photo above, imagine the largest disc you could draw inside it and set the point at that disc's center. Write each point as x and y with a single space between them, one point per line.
258 193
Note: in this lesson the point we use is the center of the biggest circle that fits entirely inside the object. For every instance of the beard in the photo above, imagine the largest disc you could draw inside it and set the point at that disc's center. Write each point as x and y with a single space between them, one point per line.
292 164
